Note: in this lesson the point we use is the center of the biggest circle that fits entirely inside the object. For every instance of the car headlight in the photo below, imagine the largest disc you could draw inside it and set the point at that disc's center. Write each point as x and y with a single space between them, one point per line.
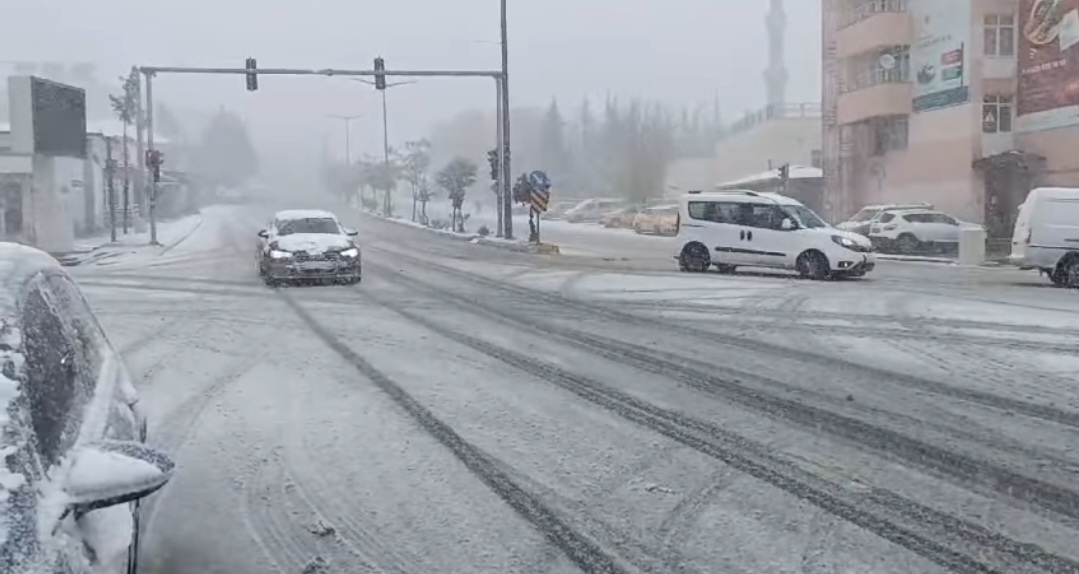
278 254
845 241
353 252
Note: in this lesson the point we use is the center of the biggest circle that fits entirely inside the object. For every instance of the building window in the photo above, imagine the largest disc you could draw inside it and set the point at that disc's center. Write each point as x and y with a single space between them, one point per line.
889 134
870 70
997 113
999 32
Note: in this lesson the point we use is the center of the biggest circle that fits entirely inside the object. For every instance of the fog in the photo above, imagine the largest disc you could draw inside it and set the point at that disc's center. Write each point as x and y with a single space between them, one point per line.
678 52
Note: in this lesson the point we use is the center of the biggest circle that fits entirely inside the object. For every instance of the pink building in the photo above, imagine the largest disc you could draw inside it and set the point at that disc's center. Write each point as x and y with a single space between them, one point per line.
963 103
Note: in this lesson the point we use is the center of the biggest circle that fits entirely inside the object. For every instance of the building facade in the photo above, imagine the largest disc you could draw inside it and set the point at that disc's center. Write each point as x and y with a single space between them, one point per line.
967 104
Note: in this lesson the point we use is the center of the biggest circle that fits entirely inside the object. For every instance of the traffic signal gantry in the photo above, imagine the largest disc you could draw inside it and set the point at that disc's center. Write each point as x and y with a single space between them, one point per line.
251 72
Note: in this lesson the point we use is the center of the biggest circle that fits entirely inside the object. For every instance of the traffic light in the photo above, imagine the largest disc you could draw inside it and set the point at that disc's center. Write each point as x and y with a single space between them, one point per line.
252 78
784 172
380 79
492 158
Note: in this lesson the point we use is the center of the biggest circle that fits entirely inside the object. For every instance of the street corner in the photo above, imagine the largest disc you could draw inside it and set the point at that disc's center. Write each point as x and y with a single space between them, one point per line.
546 249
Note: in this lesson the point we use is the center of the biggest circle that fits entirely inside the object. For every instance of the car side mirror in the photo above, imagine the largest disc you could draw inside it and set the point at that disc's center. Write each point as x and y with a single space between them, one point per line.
264 234
352 233
787 225
110 473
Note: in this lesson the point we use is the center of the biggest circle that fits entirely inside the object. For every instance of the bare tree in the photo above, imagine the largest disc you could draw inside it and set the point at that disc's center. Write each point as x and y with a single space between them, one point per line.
125 106
456 178
417 162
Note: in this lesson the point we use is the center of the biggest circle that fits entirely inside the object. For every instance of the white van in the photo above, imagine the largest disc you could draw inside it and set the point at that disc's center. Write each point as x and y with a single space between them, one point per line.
1046 234
735 228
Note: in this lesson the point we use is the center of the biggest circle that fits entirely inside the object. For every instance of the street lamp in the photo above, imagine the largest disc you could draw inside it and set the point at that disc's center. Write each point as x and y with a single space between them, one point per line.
385 127
348 134
385 120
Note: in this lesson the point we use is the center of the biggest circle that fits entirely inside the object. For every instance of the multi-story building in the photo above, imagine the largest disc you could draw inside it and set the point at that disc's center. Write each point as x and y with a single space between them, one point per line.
967 104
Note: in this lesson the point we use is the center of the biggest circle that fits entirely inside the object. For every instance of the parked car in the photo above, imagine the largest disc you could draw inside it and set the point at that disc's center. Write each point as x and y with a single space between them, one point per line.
659 220
308 245
75 463
559 209
1046 234
621 218
591 210
865 218
914 231
730 229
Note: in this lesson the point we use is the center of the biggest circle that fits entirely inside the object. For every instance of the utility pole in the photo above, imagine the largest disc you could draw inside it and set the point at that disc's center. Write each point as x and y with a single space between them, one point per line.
507 172
110 183
150 148
348 135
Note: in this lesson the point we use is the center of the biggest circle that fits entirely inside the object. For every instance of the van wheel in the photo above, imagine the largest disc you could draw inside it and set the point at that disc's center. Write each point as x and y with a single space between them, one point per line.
1070 270
813 265
694 258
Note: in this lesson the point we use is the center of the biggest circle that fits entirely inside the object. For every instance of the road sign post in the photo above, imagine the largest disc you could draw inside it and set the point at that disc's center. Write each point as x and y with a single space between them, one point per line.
539 198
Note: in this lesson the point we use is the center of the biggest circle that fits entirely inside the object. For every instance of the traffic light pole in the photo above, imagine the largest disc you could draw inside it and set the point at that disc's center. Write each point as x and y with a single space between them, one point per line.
150 146
499 76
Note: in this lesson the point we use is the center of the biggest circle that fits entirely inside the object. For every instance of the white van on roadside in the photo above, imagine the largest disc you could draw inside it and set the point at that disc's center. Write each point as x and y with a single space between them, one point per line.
1046 234
735 228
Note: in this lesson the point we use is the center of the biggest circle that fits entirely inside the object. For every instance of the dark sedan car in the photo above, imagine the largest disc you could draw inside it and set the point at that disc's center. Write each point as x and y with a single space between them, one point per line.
303 245
73 463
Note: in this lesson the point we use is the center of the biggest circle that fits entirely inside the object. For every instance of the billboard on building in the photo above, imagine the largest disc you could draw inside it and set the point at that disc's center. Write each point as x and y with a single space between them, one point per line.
940 54
59 118
1048 87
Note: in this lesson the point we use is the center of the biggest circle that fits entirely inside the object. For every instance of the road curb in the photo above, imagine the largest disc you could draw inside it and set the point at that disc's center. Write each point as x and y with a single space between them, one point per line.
475 238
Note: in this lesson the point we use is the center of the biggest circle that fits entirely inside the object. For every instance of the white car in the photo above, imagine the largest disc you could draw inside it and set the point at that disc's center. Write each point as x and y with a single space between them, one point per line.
308 245
73 458
1046 234
865 218
913 230
730 229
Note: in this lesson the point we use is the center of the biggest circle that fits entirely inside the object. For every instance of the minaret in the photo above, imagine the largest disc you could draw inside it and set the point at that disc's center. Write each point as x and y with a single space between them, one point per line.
775 77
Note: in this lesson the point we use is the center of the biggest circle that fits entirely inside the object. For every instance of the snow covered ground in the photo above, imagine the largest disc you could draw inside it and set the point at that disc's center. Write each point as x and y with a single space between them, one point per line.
469 409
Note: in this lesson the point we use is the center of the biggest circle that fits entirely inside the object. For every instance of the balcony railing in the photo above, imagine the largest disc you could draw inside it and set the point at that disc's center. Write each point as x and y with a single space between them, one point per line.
861 9
773 112
869 78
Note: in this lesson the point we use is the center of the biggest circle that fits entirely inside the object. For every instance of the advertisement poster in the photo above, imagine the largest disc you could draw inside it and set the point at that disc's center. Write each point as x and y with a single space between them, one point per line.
939 57
1048 87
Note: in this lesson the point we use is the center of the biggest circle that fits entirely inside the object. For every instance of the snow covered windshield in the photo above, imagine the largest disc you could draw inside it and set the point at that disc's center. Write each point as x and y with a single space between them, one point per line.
309 225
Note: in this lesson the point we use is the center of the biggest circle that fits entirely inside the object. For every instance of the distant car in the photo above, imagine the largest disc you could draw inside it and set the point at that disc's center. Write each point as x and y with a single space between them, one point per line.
592 210
558 210
303 245
862 221
621 218
75 463
658 219
914 230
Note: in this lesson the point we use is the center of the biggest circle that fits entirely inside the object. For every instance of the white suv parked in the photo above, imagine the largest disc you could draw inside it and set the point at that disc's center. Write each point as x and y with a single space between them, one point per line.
732 229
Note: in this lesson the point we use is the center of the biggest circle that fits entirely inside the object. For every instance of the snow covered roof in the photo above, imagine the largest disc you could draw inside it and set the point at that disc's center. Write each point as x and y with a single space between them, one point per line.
304 214
796 172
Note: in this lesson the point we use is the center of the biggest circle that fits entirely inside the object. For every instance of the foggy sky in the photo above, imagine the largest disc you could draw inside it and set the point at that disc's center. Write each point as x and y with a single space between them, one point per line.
676 51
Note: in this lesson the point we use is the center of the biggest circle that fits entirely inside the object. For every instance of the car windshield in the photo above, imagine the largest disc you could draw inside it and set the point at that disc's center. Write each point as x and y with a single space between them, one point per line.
308 225
804 216
864 215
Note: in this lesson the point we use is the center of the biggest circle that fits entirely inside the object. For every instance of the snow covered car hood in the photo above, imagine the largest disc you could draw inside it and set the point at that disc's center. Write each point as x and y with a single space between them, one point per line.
312 242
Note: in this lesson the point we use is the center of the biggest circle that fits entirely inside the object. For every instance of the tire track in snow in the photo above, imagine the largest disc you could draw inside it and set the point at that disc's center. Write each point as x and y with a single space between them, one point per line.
684 516
580 549
870 372
946 540
967 471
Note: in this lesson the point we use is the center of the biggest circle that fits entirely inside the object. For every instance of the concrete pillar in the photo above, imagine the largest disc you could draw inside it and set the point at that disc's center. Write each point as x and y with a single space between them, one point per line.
972 245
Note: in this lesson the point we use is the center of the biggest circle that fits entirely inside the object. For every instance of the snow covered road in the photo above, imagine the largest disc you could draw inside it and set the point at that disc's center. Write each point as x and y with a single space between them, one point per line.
468 409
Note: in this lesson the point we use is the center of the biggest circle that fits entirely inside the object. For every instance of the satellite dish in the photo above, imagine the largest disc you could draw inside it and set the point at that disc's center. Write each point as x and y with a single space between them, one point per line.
887 62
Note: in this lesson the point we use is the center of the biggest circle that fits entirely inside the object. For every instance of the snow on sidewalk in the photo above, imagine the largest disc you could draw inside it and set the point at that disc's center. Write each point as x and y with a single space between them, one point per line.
101 247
